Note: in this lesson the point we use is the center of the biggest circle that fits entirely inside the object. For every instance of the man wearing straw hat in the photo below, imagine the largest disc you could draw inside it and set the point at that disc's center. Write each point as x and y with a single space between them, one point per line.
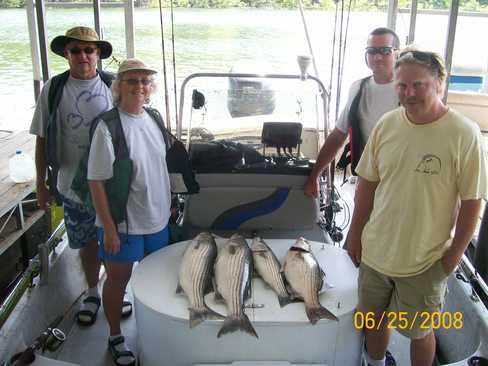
65 109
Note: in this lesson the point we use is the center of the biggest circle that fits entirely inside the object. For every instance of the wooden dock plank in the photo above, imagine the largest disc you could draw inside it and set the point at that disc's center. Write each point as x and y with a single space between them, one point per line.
12 194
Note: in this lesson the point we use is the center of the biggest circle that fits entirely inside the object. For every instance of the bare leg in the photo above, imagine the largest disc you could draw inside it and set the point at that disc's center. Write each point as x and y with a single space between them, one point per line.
377 340
422 351
118 275
90 263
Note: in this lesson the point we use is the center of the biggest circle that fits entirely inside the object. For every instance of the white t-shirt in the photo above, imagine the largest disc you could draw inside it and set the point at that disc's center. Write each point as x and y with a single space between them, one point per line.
148 206
81 102
376 100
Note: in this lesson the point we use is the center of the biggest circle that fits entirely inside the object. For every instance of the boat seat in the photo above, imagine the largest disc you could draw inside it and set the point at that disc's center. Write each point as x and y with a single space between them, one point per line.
251 202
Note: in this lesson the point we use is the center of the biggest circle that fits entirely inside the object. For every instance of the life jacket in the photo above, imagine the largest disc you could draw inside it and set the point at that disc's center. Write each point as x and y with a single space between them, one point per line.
117 188
354 148
53 147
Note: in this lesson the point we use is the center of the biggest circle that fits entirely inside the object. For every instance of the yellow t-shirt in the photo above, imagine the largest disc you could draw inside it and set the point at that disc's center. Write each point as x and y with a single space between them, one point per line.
422 171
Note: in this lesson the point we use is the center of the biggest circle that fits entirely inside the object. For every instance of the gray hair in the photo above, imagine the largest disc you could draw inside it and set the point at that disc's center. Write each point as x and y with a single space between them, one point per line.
429 60
115 88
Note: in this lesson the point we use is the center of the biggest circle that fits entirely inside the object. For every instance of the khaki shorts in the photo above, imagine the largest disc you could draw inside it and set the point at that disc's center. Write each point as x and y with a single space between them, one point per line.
404 303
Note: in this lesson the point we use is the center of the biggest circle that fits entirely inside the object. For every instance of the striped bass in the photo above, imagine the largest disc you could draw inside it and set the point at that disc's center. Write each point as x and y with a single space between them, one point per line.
305 278
233 270
269 268
195 277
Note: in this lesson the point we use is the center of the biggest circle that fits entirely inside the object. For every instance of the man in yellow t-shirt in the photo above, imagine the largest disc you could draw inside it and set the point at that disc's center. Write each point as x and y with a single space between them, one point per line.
422 178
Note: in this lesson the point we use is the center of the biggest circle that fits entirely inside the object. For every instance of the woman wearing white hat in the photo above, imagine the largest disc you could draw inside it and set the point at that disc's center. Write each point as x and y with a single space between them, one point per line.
130 188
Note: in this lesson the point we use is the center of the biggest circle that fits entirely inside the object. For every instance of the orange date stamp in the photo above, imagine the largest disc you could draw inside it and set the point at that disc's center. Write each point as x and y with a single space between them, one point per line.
404 321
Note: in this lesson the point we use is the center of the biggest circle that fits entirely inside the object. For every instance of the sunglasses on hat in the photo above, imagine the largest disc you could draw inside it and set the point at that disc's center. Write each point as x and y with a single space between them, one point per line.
385 51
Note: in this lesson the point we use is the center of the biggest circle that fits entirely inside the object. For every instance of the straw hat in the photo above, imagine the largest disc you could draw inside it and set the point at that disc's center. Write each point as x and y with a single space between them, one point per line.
83 34
132 64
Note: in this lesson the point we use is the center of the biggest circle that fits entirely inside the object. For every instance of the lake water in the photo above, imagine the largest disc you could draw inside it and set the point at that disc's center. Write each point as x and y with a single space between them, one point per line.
215 40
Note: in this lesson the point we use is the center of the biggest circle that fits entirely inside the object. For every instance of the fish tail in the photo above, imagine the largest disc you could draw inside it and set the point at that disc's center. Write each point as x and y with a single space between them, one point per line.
233 323
315 313
284 300
199 315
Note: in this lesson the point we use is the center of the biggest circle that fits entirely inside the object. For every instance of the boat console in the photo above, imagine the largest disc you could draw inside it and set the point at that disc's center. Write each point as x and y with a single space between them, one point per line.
247 186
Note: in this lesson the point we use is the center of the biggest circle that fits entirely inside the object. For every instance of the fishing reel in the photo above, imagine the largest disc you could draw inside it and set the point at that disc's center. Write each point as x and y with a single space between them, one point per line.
50 339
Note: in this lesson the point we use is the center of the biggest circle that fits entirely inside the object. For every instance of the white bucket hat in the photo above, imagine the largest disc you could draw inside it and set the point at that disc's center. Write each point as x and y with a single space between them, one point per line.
134 64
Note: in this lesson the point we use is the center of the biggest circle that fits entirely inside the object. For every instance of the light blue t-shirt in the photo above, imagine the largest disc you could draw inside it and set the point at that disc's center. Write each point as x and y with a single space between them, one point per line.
81 102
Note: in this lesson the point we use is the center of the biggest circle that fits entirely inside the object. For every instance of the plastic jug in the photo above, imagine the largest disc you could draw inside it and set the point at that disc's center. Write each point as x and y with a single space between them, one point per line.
21 167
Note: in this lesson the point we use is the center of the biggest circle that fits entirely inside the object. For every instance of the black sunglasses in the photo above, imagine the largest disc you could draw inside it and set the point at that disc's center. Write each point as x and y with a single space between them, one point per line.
134 82
86 50
385 51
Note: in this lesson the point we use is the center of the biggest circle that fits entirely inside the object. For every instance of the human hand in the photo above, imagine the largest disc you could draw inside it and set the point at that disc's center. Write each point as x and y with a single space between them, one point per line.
311 187
111 241
43 196
449 262
354 247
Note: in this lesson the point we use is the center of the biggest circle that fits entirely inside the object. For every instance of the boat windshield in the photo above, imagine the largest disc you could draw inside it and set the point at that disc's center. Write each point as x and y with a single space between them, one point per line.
260 113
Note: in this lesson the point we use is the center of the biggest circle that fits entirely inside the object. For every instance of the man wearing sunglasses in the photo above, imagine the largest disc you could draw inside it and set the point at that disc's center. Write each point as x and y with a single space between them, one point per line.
65 109
422 179
369 99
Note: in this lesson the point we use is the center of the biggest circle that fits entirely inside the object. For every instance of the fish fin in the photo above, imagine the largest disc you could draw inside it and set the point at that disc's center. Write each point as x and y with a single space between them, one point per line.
284 300
322 273
199 315
218 297
179 289
283 267
314 313
231 324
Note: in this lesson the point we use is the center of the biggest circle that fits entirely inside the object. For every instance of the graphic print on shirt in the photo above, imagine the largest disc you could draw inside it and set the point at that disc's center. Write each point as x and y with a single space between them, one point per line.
88 105
430 164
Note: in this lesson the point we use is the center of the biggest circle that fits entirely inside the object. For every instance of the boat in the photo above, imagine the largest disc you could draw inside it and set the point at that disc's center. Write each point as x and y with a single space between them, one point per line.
251 171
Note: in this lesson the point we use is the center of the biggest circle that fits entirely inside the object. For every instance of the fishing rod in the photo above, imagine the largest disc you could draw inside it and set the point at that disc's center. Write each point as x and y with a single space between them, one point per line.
166 96
174 61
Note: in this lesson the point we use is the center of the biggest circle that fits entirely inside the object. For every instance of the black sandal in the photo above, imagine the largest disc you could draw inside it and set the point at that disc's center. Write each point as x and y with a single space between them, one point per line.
116 355
88 313
126 309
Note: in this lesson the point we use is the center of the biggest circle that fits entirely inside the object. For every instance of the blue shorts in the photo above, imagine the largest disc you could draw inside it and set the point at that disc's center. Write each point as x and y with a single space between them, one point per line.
134 247
79 223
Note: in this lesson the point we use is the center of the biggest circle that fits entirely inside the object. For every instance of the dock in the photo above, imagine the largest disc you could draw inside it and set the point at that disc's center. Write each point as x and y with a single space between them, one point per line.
18 211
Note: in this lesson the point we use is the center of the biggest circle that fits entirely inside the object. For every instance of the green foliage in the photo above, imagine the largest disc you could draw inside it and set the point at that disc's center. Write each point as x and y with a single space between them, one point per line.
12 3
357 5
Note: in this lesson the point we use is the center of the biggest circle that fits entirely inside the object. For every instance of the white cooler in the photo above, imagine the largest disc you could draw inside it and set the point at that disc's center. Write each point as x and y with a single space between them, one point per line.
285 334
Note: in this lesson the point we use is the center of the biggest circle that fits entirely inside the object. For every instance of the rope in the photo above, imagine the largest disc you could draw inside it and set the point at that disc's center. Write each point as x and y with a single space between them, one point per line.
166 97
174 62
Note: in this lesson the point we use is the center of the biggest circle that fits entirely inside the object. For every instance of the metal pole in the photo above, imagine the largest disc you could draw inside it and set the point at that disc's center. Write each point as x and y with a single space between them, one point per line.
34 43
96 16
129 29
41 28
392 13
307 36
451 36
413 22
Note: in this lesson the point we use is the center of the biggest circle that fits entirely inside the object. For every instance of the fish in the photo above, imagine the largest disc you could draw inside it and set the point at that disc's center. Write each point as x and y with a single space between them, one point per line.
305 279
269 269
195 277
233 274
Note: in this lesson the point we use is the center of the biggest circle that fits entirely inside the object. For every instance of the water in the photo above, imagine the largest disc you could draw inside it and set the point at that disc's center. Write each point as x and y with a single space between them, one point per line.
214 40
